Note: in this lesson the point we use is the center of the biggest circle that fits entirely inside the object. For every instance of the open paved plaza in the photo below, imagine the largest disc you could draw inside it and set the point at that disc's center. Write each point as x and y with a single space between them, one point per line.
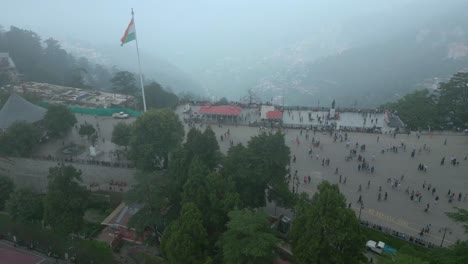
398 211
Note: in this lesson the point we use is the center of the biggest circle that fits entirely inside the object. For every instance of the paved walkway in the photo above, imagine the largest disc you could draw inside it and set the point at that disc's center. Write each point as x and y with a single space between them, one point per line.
398 212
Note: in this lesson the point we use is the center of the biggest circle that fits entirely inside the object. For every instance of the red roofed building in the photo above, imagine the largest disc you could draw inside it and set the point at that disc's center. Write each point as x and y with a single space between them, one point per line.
224 110
220 113
117 224
274 115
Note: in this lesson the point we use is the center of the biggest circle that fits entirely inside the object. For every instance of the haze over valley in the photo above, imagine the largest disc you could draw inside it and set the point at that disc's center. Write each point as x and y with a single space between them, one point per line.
310 52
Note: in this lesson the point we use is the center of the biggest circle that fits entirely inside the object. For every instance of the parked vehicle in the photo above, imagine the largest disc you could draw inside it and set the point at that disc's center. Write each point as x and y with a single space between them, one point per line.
375 247
120 115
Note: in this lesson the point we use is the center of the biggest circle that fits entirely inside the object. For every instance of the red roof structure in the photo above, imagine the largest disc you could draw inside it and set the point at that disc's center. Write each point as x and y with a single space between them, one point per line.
220 110
117 224
274 114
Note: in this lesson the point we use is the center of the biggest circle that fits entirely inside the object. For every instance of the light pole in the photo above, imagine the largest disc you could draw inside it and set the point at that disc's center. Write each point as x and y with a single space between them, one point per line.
443 237
360 209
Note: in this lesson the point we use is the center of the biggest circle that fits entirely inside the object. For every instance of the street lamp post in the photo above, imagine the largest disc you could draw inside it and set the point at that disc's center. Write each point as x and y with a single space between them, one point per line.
360 209
443 237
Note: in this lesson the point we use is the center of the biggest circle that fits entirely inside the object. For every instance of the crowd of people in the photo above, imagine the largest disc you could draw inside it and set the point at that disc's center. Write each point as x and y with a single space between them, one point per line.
356 152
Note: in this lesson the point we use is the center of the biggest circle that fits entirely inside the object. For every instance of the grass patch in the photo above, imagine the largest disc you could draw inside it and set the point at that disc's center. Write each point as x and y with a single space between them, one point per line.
114 198
45 241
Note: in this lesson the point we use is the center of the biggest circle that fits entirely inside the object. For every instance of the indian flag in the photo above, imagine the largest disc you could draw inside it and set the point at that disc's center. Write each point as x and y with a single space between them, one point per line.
130 33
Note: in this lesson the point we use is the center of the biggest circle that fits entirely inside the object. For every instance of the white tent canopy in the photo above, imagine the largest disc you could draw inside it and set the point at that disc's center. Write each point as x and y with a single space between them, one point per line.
17 109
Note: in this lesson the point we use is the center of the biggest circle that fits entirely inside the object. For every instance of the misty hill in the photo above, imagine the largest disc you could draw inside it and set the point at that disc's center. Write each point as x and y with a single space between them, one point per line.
154 68
368 75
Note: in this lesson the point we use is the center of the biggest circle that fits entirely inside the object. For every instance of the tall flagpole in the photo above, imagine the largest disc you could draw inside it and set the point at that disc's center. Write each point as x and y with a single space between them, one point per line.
139 65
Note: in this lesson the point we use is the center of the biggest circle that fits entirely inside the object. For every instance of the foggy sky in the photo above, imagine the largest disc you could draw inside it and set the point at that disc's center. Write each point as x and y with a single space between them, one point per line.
195 35
177 29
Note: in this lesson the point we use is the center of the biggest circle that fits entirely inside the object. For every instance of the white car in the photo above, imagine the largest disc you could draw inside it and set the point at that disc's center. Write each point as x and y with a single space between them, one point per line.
120 115
375 247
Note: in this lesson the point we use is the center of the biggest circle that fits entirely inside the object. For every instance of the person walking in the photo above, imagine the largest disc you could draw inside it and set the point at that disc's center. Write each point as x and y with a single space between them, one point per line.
385 196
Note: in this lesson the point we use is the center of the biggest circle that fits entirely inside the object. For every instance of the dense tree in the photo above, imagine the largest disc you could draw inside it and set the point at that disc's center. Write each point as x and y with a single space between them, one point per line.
57 66
154 135
25 48
443 108
206 190
151 191
248 238
124 82
453 100
461 215
203 145
324 230
87 130
59 120
455 254
258 168
222 101
157 97
20 139
121 134
65 201
185 240
48 62
417 109
24 205
6 188
5 78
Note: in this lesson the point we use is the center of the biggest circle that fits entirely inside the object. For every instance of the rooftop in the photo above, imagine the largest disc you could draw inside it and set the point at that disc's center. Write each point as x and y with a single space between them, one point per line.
220 110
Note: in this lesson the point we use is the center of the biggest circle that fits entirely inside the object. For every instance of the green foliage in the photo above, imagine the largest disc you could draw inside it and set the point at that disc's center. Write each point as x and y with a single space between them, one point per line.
185 240
401 245
461 215
59 120
5 78
6 188
47 61
87 251
453 100
157 97
150 190
20 139
325 230
121 134
454 254
86 130
400 258
204 146
259 167
65 201
445 108
248 238
206 191
222 101
154 135
24 205
417 109
92 251
124 82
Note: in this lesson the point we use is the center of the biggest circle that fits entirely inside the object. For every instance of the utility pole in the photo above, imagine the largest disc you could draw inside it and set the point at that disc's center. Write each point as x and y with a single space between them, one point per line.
443 237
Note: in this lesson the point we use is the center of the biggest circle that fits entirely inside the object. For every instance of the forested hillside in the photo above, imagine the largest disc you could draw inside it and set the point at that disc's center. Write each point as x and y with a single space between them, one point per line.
46 61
